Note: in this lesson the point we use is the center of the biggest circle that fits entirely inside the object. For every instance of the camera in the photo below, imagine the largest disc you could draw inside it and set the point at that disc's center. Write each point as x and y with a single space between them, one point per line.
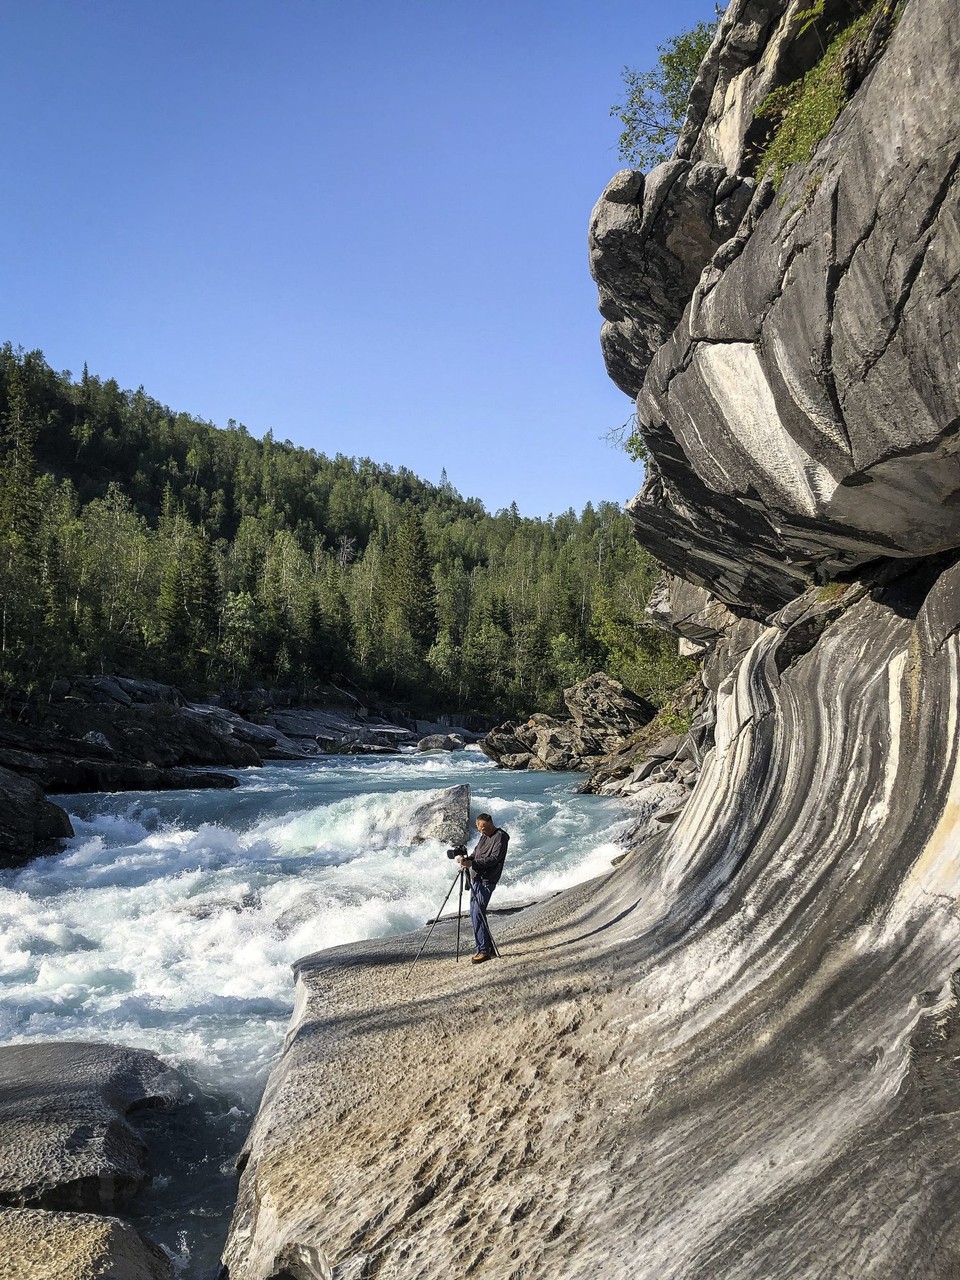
458 851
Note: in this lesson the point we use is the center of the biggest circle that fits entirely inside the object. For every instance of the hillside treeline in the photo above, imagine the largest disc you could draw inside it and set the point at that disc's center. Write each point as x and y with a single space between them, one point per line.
134 539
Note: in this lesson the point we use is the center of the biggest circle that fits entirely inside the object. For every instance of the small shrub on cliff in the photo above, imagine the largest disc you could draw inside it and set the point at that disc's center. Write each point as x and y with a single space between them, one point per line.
804 111
655 103
832 591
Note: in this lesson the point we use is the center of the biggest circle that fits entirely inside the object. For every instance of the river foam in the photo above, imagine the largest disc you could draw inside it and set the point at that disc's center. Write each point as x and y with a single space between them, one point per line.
171 921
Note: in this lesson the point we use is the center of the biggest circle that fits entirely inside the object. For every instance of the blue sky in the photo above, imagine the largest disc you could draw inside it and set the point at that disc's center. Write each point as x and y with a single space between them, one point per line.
362 226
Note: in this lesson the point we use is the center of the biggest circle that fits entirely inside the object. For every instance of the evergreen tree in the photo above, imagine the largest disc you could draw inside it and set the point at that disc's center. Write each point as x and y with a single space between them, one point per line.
164 546
21 599
410 584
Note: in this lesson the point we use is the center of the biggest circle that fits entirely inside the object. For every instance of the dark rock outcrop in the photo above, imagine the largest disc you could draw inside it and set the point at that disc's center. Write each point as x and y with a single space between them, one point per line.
318 731
115 748
161 734
29 822
603 715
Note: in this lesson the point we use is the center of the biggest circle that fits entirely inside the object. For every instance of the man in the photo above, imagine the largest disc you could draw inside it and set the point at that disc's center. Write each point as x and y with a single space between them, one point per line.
486 864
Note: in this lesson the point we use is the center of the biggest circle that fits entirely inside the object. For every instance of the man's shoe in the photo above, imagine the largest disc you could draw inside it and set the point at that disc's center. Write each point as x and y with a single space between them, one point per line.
479 957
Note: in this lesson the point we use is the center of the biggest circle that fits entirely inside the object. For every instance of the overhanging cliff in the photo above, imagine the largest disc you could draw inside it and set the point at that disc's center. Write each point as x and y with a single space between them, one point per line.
802 418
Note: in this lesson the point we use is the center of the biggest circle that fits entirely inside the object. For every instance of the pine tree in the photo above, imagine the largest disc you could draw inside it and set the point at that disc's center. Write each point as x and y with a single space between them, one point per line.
21 593
410 582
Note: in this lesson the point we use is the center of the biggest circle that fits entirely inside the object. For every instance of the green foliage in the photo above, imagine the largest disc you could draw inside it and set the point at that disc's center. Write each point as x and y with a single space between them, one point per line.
655 102
152 543
675 719
805 110
832 591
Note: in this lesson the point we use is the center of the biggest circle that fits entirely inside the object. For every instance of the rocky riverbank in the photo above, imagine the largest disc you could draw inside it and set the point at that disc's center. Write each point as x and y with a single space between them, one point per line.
117 734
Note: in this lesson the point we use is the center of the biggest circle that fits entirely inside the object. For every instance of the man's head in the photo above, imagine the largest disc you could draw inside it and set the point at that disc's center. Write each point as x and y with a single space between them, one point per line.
484 824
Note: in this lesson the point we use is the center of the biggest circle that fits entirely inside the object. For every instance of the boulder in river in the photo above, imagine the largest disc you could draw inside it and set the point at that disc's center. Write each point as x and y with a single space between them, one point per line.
37 1244
65 1142
444 817
440 742
29 822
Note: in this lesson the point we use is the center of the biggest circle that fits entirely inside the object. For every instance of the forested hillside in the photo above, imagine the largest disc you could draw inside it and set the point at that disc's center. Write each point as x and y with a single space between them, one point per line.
140 540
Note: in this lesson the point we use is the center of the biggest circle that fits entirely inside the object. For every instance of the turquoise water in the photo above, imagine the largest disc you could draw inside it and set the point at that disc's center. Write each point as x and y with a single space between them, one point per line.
171 921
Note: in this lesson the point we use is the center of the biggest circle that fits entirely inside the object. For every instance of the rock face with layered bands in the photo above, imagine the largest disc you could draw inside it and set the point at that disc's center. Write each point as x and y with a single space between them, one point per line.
802 419
735 1054
732 1056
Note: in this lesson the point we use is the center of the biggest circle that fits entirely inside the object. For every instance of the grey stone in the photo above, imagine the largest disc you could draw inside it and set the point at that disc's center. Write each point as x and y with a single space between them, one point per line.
802 420
440 742
65 1142
603 714
602 708
649 240
445 817
335 732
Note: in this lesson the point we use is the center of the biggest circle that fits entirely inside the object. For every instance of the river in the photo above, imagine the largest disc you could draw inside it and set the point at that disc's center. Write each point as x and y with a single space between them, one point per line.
171 920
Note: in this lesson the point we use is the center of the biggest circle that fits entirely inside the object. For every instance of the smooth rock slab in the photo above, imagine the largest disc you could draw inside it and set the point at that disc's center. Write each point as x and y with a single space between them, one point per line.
732 1058
64 1139
38 1245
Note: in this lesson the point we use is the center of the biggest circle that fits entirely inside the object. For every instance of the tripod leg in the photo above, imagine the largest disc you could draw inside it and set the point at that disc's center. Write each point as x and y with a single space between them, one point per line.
460 912
436 921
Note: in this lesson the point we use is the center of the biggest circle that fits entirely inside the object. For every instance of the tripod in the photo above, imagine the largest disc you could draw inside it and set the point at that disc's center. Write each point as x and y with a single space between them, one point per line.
460 878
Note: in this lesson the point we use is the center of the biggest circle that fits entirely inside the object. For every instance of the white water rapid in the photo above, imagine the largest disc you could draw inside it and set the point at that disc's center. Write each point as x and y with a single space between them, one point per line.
171 921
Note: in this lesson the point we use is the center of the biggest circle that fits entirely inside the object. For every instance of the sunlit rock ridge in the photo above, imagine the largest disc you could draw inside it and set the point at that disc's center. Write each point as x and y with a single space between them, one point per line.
735 1055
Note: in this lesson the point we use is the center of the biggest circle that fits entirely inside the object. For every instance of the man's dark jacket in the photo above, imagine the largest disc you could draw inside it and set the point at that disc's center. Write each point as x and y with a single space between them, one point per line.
488 857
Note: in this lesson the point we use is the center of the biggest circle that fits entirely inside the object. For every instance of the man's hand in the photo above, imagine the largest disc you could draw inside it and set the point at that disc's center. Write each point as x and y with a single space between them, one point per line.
463 861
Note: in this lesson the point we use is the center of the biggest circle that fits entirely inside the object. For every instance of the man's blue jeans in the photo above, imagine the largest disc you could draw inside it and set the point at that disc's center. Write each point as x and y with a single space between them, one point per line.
479 897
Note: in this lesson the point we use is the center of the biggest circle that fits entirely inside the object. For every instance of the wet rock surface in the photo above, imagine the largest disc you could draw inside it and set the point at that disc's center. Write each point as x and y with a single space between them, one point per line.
29 823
